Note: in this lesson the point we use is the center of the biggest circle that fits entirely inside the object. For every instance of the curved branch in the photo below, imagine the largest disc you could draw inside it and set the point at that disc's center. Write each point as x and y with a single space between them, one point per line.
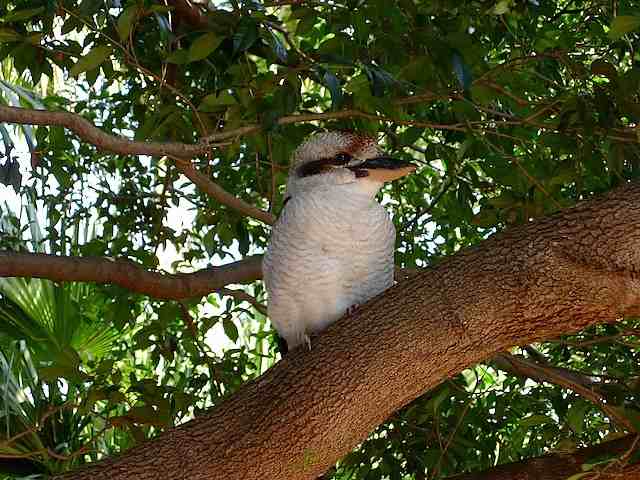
129 275
123 146
341 114
90 133
220 194
574 381
534 282
190 12
180 151
102 140
557 466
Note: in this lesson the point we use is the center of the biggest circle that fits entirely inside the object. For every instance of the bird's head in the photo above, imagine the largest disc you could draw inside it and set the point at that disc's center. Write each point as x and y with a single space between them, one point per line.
339 158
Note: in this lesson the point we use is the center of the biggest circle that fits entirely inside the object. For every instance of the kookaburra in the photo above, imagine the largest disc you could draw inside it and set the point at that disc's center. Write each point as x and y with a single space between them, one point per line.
332 247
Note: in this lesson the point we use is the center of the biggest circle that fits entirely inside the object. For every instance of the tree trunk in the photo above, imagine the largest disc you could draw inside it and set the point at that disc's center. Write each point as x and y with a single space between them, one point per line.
534 282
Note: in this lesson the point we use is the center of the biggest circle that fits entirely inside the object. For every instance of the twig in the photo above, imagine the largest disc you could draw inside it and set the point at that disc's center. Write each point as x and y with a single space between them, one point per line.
216 191
132 60
37 425
244 297
188 319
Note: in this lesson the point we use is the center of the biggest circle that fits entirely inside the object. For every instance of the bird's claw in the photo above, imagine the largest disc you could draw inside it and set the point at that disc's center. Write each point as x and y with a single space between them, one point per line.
307 340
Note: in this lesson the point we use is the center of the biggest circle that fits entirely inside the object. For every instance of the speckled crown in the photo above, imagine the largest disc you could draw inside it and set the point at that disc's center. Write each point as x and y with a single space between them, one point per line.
328 144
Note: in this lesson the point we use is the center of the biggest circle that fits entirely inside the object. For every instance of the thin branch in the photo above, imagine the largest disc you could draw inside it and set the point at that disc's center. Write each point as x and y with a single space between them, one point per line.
564 465
243 296
217 192
128 274
341 114
562 377
190 12
188 319
88 132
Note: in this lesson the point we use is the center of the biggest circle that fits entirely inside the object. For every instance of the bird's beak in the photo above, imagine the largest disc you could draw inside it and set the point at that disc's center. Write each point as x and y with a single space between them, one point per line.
383 169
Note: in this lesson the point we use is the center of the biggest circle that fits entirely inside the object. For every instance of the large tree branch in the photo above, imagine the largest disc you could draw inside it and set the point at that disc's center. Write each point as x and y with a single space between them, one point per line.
102 140
560 466
128 274
135 278
557 275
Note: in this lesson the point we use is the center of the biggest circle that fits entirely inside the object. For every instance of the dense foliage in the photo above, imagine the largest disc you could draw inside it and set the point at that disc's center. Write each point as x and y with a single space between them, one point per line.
513 109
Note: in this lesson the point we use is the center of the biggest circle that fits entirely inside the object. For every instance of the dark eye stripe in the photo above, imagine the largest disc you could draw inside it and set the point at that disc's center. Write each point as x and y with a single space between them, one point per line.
313 168
320 166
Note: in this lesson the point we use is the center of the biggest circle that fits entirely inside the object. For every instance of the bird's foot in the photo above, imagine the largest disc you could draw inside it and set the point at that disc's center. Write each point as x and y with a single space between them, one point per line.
307 340
352 308
283 347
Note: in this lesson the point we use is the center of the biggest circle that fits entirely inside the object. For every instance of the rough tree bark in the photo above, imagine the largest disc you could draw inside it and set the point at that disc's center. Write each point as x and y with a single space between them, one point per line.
534 282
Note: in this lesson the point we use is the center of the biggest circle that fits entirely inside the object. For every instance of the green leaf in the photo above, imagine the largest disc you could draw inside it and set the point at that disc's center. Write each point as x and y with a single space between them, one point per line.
576 414
333 84
534 420
51 374
119 313
20 15
91 60
116 397
230 329
8 35
501 7
219 101
622 25
246 35
105 367
179 57
307 23
126 21
482 94
167 314
203 46
144 415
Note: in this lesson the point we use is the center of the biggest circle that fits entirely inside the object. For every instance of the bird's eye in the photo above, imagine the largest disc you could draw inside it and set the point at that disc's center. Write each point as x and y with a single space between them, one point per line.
342 158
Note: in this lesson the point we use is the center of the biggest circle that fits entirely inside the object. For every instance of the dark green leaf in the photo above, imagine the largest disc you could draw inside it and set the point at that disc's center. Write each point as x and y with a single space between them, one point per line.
622 25
126 20
203 46
230 329
91 60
